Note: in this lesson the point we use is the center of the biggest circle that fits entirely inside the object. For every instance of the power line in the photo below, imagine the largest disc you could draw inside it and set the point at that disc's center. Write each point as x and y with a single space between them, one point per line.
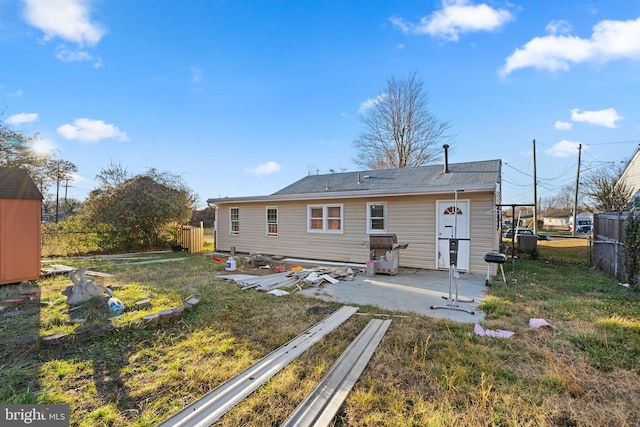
636 141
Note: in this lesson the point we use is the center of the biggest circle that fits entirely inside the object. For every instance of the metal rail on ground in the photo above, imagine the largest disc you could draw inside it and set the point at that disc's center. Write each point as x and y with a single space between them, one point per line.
322 404
206 410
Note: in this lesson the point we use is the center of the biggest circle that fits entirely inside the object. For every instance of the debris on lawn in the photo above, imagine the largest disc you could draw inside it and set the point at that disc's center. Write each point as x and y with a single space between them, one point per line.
309 277
145 303
116 305
538 323
55 269
319 310
278 292
499 333
258 260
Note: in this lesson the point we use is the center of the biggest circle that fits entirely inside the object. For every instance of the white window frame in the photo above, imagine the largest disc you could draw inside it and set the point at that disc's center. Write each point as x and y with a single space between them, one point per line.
231 221
370 229
325 218
270 233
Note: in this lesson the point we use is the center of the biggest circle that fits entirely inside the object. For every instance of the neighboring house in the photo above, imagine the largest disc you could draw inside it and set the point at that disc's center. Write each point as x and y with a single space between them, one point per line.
631 174
20 217
556 221
330 217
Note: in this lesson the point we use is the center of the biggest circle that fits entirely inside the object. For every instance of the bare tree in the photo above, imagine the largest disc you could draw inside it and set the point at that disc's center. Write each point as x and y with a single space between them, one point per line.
400 131
606 190
112 175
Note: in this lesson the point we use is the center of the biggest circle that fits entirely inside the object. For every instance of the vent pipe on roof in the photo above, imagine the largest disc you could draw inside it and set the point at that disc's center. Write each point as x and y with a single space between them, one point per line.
446 158
359 179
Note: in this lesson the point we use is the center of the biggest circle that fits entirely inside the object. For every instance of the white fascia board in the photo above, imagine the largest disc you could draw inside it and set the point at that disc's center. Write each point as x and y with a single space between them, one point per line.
358 194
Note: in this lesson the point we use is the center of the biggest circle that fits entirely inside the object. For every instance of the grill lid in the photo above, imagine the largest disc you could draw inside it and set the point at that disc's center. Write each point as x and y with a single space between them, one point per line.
382 241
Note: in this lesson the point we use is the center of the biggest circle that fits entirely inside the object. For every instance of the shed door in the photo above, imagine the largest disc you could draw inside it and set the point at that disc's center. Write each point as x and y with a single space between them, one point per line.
452 222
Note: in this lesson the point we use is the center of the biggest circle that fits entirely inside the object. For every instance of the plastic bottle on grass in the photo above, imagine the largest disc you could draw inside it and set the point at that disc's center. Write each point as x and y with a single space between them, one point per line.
231 264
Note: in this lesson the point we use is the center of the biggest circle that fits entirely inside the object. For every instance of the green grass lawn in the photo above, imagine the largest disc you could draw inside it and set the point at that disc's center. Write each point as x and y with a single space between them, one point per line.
426 372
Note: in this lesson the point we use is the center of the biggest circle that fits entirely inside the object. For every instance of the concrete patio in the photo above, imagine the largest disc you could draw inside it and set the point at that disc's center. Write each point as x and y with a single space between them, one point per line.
410 291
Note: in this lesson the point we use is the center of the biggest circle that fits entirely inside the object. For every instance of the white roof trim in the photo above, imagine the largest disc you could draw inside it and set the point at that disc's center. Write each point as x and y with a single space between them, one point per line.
421 191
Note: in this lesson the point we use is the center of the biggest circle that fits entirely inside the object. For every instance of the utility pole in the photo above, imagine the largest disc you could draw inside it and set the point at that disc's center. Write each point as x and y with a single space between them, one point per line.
535 192
57 191
575 199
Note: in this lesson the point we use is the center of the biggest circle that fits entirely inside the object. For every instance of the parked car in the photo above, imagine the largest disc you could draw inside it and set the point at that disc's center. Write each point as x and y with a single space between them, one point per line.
522 231
588 228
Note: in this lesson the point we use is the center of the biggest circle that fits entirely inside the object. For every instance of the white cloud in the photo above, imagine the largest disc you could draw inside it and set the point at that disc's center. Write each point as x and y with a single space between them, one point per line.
564 148
67 19
606 118
456 17
65 54
87 130
558 27
372 102
18 119
562 125
265 168
610 41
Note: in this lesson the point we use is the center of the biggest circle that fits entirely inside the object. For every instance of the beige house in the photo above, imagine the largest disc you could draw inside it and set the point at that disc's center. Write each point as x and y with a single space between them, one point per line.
330 217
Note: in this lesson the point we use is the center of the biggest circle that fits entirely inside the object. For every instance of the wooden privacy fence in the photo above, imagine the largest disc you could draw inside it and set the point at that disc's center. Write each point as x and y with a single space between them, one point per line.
191 238
608 251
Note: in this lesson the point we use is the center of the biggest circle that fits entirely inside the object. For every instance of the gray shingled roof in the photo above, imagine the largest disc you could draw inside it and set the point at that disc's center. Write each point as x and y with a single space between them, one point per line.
16 183
432 176
478 176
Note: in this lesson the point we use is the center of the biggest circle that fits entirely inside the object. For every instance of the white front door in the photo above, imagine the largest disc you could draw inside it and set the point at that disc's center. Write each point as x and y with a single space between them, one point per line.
453 222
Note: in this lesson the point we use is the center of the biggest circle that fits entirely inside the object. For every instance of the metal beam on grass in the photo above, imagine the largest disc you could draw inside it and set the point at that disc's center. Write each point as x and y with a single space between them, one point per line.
322 404
208 409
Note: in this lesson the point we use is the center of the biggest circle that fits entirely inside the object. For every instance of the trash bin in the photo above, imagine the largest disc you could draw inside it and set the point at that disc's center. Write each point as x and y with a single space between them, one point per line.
527 243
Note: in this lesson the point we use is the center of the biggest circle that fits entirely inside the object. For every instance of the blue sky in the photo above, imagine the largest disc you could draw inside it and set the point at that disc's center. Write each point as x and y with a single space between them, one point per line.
242 98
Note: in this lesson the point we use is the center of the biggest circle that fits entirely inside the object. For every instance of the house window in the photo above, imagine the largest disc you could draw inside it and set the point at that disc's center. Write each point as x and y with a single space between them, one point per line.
272 221
376 217
234 221
324 218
